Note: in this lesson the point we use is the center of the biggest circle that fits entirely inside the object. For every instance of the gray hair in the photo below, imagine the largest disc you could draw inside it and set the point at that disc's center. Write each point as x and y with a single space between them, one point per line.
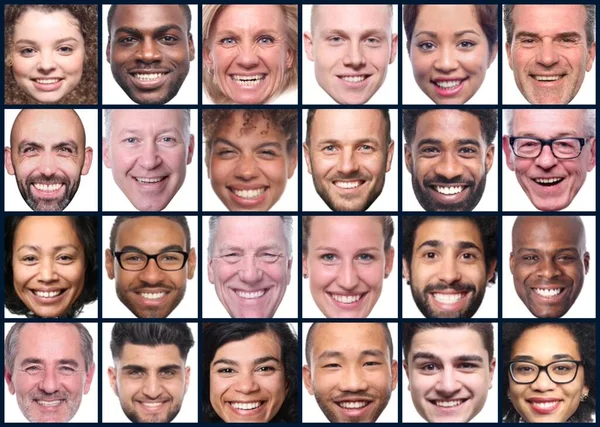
589 122
11 344
213 223
186 124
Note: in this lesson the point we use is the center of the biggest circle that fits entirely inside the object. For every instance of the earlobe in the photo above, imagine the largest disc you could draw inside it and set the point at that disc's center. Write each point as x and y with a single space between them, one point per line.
592 162
390 155
108 50
304 267
306 151
211 273
389 261
508 54
109 262
191 264
87 160
405 269
307 379
112 378
408 158
586 262
106 153
9 382
191 48
394 50
191 147
591 57
489 157
206 57
508 152
511 263
88 378
8 161
293 162
308 46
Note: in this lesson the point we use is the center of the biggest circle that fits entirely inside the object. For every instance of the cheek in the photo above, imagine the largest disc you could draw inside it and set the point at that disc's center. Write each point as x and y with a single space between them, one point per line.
72 64
220 170
422 64
223 58
374 165
372 275
22 275
320 275
218 386
276 172
476 62
522 166
274 58
378 58
74 273
521 57
22 67
275 272
225 272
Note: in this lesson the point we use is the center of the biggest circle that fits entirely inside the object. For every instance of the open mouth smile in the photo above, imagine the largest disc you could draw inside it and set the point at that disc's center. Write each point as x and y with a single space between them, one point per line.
346 299
150 180
48 188
148 77
448 403
353 405
449 190
249 194
246 406
348 185
250 295
355 78
449 298
548 182
49 403
542 78
48 294
248 81
544 405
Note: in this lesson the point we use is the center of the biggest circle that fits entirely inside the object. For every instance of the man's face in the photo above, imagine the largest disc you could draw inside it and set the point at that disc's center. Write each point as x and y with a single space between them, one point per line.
149 50
150 382
448 160
548 262
151 292
348 157
549 52
148 152
49 375
447 273
47 155
250 265
351 47
449 374
351 373
550 183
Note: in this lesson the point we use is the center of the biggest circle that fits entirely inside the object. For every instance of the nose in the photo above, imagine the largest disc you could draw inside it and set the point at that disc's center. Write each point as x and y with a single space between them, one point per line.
348 277
548 269
547 55
353 381
47 272
149 50
446 60
348 163
149 157
49 382
152 274
543 382
46 62
448 272
246 383
152 387
546 159
448 383
449 166
247 57
48 165
354 56
249 271
246 168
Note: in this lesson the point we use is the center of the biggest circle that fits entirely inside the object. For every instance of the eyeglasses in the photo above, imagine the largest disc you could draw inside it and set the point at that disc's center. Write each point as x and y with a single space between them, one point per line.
562 148
137 261
559 372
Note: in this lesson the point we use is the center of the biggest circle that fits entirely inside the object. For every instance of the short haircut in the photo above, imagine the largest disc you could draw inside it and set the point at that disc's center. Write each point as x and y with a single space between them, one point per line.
310 337
11 343
589 121
181 220
185 131
287 221
590 22
151 335
487 226
488 121
386 222
314 9
485 331
184 8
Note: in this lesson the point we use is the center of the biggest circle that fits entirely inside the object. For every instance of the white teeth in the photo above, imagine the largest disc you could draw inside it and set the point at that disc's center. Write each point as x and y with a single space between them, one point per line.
547 180
152 404
347 184
47 81
353 405
353 79
47 187
248 80
448 84
148 76
448 298
449 190
148 295
546 78
250 295
149 180
245 406
545 405
547 293
345 299
448 403
249 194
51 294
49 403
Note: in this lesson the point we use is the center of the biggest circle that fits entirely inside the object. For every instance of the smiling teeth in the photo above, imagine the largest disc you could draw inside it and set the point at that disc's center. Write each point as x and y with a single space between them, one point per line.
153 295
449 190
353 79
353 405
47 81
245 406
448 298
50 294
47 187
448 84
547 293
345 299
152 404
346 184
248 80
546 78
448 403
249 194
547 180
49 403
545 405
149 180
148 77
250 295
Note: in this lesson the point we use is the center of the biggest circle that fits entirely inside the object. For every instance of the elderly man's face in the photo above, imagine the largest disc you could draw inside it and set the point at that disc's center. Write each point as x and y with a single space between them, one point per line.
550 183
250 265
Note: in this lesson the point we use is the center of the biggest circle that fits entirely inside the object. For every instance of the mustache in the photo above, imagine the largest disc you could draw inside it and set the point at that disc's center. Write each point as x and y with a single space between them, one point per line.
58 395
458 287
439 179
354 175
148 286
52 179
348 394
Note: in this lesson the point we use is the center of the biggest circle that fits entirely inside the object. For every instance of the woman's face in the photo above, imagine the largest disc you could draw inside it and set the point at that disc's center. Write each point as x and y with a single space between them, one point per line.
48 264
247 52
247 380
544 401
449 53
48 53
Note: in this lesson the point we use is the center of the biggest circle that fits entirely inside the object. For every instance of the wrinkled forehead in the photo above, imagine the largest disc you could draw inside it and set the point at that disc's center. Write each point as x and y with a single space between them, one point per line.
146 121
250 232
549 123
47 127
49 342
351 18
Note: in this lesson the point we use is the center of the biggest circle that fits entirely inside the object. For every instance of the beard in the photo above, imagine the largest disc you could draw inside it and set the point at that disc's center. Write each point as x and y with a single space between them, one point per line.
51 205
422 300
134 417
431 204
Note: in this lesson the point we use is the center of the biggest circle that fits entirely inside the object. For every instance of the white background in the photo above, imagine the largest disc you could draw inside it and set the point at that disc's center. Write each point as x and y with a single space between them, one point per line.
387 304
86 198
387 200
584 306
212 307
311 413
112 92
112 307
312 92
88 410
186 199
111 407
489 413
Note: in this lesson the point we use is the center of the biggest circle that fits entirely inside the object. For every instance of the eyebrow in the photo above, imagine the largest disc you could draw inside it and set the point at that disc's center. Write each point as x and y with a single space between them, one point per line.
135 131
257 361
332 249
364 32
164 249
354 142
456 33
461 142
461 244
536 35
38 248
262 145
156 32
569 249
461 358
37 361
66 143
329 354
59 41
527 358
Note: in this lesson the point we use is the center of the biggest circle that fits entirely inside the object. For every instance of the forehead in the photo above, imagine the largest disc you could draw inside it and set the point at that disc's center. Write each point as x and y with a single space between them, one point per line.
49 342
348 125
242 18
49 230
451 17
47 127
549 18
53 23
364 230
549 123
352 18
250 348
146 121
448 231
148 17
250 231
448 126
448 342
247 127
545 341
150 232
150 356
350 339
548 230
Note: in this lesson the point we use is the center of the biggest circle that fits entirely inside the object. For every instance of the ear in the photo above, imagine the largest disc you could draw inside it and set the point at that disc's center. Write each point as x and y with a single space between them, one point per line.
591 56
508 55
191 48
510 162
511 263
108 50
8 161
394 50
492 369
493 54
408 158
592 162
492 270
306 150
394 374
292 162
191 264
206 56
405 366
304 266
290 263
307 379
9 381
408 47
389 261
308 46
112 378
405 269
187 379
211 273
190 149
289 58
106 153
586 262
207 154
489 157
109 260
88 155
89 376
390 156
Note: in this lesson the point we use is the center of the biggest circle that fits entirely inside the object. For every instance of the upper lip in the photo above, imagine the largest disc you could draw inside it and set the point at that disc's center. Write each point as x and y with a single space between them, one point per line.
447 79
247 187
46 77
543 399
148 70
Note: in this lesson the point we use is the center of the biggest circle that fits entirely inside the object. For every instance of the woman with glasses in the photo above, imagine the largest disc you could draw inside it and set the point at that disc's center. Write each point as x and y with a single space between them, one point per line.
549 372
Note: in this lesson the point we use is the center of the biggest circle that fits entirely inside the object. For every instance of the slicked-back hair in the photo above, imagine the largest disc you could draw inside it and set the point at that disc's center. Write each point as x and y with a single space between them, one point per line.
181 220
184 8
185 132
151 335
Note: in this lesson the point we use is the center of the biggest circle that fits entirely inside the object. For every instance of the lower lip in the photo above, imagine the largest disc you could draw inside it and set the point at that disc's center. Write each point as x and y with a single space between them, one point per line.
50 195
355 412
47 87
49 301
151 187
249 87
550 189
351 306
355 85
248 203
449 198
449 91
552 300
448 410
548 410
251 301
149 84
451 307
153 409
50 408
247 412
547 83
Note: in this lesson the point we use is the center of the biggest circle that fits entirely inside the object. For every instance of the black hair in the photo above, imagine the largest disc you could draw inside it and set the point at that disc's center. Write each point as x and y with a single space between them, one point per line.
184 7
181 220
151 335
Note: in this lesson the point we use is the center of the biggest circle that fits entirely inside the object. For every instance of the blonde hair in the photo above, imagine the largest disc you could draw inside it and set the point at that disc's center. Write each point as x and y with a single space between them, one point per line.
210 13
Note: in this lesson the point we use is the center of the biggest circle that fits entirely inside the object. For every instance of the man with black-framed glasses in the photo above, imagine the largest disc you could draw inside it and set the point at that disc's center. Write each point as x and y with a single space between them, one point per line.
150 258
551 152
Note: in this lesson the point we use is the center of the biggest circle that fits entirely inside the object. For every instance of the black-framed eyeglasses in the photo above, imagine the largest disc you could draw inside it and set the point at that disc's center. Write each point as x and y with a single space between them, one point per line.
137 261
562 148
559 372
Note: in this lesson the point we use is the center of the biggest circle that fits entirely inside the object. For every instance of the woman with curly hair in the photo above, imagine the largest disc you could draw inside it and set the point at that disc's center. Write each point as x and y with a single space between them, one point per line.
50 267
51 54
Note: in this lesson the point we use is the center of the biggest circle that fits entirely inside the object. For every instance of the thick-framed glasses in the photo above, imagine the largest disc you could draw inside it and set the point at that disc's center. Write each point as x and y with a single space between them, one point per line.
137 261
559 372
562 148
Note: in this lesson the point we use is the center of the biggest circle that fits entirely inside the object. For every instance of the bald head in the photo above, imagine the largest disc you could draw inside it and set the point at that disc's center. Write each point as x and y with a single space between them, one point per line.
62 121
525 226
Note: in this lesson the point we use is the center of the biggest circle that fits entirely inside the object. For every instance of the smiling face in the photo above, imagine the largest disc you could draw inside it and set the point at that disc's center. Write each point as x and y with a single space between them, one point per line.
351 47
250 266
47 155
247 380
350 371
148 151
544 401
549 52
449 374
150 382
449 53
346 263
149 50
448 160
248 166
348 157
248 53
150 292
49 375
48 53
549 262
550 183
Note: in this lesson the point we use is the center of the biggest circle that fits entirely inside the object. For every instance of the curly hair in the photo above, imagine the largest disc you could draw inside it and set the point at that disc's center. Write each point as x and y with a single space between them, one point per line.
584 335
85 228
86 92
285 121
216 335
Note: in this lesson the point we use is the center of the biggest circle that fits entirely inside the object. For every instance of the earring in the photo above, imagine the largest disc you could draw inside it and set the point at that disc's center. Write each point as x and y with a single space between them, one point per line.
210 71
583 398
305 276
508 396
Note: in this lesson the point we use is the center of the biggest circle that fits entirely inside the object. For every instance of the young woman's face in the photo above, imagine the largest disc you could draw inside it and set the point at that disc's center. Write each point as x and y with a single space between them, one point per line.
48 53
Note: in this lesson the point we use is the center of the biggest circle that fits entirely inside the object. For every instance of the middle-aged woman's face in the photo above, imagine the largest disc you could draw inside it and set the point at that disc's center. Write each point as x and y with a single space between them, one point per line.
247 52
247 380
48 53
48 264
544 401
449 53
